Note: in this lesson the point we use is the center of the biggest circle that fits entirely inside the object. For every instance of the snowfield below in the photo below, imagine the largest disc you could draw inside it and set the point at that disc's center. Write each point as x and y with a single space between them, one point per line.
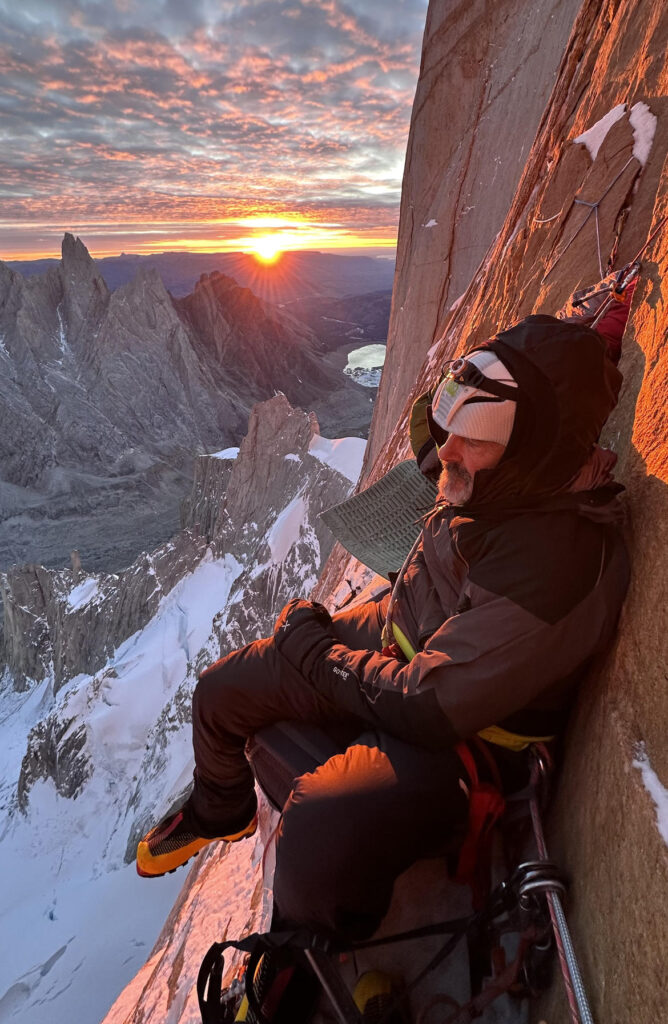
87 768
77 920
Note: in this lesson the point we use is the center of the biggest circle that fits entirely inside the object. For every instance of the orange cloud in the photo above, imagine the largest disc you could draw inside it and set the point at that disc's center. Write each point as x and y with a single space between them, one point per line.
179 126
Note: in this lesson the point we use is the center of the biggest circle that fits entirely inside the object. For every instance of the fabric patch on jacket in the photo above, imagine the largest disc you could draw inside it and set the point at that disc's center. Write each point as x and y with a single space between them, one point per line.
545 562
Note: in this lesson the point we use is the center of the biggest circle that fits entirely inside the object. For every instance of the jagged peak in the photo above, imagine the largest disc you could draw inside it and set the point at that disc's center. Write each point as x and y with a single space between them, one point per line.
220 280
74 250
8 276
223 289
78 265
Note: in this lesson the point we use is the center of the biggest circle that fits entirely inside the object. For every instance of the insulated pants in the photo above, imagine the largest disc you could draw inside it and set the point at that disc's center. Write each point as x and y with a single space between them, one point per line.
361 807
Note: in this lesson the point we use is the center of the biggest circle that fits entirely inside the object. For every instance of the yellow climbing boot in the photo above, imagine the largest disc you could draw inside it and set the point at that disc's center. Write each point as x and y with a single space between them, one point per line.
175 840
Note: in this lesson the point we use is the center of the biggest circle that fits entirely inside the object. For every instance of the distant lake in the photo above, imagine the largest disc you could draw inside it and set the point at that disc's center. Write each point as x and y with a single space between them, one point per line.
365 365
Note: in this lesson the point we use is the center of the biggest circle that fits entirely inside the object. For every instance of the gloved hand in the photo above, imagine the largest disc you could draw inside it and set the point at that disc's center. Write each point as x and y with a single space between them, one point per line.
303 632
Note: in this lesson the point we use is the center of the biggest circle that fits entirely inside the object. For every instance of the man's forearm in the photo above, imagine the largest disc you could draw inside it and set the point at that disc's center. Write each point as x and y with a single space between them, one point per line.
416 718
304 638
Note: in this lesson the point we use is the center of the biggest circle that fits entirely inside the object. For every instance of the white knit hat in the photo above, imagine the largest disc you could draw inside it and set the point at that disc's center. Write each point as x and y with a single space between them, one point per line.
473 412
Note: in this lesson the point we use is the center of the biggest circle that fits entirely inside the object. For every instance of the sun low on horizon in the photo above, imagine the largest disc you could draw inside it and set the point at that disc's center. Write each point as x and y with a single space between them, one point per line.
171 129
266 238
268 249
274 236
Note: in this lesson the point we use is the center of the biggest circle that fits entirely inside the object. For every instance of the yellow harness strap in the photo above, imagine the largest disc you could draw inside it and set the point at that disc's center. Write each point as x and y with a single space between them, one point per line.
406 649
511 740
493 733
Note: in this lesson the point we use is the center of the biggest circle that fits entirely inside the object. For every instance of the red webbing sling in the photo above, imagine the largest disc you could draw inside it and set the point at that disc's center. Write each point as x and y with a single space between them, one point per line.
486 805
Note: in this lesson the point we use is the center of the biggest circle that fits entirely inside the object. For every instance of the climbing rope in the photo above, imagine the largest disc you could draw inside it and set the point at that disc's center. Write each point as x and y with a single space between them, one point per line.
575 991
593 208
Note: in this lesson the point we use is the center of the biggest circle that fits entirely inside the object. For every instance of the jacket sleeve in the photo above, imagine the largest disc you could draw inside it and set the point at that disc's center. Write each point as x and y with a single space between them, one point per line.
478 668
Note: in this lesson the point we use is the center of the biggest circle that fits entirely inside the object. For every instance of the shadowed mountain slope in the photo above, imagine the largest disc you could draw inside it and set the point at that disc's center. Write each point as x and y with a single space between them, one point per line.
105 398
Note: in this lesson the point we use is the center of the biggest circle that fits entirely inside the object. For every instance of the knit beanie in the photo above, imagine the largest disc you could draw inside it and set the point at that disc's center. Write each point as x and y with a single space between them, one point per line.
470 412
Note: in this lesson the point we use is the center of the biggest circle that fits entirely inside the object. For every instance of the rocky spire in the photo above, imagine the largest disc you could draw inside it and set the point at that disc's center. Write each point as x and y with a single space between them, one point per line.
85 294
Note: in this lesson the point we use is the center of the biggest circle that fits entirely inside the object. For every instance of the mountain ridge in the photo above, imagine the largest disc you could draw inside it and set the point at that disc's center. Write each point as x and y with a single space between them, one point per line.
297 274
107 396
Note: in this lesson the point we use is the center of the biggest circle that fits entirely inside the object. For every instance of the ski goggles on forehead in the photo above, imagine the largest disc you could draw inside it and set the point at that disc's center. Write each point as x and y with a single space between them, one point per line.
464 373
463 382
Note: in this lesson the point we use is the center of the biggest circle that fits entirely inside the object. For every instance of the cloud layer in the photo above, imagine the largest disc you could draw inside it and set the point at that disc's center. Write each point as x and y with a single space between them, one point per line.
120 118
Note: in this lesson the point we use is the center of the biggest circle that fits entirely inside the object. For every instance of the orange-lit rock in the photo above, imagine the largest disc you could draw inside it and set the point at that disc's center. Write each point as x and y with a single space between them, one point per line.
486 76
604 825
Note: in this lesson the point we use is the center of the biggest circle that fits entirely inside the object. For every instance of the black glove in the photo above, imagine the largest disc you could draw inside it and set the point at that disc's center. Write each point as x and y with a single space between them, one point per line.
303 633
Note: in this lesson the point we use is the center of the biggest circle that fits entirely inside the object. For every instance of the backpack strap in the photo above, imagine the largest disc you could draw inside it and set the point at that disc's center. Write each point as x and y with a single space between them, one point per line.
210 975
212 968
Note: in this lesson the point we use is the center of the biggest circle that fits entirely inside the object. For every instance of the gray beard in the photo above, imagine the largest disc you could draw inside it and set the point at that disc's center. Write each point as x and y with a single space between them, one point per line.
455 485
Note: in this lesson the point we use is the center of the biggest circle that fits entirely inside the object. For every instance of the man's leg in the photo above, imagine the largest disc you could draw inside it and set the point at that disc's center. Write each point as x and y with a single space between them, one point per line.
354 824
252 688
238 695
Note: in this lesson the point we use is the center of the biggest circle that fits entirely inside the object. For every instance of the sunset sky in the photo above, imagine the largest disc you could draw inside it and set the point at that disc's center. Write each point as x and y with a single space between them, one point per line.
153 125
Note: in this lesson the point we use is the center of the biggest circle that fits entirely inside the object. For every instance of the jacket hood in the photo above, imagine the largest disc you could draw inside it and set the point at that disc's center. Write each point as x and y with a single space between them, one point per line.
567 386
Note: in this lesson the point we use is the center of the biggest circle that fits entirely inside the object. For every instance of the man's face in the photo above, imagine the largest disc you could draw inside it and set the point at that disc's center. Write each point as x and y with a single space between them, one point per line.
462 457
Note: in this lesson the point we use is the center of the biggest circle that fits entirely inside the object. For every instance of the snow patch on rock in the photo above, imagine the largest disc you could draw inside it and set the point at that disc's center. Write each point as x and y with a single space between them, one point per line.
287 529
344 454
83 594
62 337
226 453
594 136
654 787
643 123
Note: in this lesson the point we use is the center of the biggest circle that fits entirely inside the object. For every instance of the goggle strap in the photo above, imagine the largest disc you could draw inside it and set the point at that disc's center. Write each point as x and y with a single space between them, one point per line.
472 377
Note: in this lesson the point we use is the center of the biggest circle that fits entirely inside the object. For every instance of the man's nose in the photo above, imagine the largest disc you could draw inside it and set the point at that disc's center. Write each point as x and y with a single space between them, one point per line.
451 450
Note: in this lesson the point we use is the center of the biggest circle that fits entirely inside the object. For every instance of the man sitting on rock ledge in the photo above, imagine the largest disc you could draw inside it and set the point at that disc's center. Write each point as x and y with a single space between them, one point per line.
514 586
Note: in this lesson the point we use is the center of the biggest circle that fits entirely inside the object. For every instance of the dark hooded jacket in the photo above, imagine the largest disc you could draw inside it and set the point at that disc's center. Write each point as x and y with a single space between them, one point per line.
508 598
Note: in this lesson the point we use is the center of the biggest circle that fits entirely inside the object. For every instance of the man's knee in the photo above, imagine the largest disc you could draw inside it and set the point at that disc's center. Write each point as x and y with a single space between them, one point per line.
319 881
330 869
240 692
352 826
222 689
215 685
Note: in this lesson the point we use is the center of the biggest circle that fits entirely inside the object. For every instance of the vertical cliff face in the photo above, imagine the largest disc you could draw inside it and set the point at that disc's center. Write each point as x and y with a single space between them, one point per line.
593 186
486 76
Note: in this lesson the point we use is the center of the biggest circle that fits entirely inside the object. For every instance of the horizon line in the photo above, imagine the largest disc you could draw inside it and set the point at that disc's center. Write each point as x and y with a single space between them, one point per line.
377 248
